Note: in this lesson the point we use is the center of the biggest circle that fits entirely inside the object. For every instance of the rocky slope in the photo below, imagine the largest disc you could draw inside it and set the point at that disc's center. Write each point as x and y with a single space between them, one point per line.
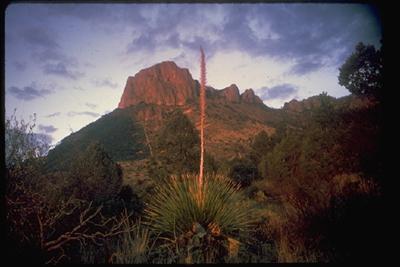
231 118
167 84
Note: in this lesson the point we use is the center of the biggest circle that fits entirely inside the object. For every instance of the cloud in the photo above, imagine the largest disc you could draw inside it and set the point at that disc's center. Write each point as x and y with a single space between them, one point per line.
305 67
310 34
28 92
46 50
282 91
47 128
55 114
39 37
20 66
49 55
87 113
105 83
90 105
60 69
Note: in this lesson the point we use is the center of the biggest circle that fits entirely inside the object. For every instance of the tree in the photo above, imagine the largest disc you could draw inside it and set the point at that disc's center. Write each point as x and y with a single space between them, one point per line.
362 73
177 146
39 229
261 145
95 176
243 171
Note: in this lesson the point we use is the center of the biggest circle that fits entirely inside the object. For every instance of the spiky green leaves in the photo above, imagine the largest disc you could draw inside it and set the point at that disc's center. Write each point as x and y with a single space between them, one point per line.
175 209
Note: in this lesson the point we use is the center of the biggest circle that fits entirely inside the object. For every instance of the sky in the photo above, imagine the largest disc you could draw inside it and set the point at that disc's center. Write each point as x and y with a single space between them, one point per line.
68 63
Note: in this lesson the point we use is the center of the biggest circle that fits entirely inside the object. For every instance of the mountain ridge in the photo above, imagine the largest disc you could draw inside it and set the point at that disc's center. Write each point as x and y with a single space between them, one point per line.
166 83
232 119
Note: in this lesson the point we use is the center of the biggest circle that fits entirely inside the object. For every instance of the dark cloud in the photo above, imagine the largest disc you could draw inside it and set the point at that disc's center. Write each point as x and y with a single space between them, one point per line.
90 105
61 69
88 113
20 66
55 114
310 34
281 91
28 92
45 49
49 55
39 37
47 128
105 83
305 67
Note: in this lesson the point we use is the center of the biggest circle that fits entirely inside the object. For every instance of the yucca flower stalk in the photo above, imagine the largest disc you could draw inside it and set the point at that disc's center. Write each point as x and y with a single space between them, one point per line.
202 120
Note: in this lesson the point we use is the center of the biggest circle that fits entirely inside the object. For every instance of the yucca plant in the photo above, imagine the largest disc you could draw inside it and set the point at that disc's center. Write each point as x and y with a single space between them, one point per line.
174 207
175 212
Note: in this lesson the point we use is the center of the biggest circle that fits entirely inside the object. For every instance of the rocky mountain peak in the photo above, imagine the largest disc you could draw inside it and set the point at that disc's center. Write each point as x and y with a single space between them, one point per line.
167 84
162 84
231 93
249 96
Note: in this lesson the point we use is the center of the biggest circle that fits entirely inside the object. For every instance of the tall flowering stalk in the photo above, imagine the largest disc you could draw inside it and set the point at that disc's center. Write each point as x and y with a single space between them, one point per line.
202 117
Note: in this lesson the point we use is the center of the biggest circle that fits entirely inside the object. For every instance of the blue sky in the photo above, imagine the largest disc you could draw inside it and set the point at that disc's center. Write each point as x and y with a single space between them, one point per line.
68 63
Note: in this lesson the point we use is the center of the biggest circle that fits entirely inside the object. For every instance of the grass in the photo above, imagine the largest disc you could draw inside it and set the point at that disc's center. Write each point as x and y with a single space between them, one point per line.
133 246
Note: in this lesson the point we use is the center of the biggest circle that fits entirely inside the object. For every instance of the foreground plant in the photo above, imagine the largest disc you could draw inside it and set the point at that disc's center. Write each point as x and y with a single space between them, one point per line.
210 227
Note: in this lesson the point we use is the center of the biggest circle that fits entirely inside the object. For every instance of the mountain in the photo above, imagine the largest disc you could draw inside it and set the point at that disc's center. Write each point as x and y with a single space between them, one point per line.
167 84
232 119
162 84
121 136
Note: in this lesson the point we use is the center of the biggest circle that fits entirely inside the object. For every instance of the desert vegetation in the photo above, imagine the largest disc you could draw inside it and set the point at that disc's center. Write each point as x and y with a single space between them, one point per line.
311 191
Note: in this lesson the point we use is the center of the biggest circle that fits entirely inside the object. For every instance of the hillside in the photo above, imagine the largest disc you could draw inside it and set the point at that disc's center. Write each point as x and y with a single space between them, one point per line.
118 132
233 119
148 98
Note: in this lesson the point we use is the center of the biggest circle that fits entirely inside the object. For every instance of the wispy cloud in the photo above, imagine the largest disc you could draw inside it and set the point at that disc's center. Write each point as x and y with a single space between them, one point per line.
105 83
90 105
282 91
309 34
47 128
60 69
28 93
55 114
305 67
86 113
20 66
40 37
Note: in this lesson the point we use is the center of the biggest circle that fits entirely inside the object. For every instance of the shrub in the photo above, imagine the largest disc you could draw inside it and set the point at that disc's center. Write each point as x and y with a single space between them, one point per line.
94 175
133 245
126 199
177 146
204 227
331 220
243 172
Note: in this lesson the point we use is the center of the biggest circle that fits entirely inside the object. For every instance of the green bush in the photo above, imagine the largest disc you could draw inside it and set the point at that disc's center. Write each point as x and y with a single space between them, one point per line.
94 175
243 172
174 208
205 230
177 146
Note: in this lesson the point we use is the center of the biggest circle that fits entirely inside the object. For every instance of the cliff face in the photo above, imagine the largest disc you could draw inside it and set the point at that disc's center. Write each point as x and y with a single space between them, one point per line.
167 84
249 96
230 94
161 84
